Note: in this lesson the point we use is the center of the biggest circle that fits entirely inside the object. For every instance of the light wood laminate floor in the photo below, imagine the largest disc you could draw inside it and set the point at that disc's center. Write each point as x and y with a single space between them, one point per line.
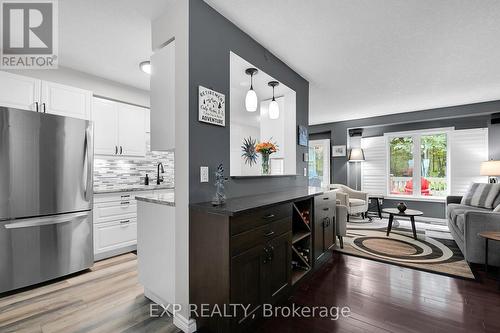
106 298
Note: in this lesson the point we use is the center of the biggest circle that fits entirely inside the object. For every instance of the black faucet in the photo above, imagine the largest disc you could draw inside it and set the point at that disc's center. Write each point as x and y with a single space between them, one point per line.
158 179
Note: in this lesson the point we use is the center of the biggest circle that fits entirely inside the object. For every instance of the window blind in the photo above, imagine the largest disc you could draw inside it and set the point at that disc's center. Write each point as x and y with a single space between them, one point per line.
468 149
373 170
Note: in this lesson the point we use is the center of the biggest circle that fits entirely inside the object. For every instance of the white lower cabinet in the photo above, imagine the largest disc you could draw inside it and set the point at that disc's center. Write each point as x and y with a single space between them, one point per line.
115 222
115 235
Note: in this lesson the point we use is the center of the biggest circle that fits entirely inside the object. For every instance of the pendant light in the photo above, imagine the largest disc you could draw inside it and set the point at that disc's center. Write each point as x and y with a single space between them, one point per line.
274 109
251 98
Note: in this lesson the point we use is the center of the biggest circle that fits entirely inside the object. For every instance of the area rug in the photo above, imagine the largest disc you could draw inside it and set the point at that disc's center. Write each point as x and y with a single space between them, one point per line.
433 254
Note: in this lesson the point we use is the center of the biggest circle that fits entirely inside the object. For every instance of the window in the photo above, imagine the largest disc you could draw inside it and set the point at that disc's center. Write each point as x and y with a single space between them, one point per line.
418 164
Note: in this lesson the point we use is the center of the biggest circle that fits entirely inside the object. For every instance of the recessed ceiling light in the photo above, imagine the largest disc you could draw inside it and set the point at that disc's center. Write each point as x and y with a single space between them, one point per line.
145 66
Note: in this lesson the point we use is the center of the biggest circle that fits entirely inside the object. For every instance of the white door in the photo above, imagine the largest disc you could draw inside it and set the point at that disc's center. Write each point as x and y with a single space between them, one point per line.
17 91
131 133
319 163
105 116
66 101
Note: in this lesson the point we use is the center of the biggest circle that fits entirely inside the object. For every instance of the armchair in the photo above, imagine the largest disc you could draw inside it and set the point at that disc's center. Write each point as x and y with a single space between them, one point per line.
355 201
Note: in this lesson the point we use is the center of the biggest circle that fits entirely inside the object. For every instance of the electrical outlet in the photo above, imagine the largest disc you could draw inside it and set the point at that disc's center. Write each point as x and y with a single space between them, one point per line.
305 172
204 174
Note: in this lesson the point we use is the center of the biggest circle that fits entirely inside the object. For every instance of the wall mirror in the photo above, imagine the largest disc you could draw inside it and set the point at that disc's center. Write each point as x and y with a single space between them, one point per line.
262 122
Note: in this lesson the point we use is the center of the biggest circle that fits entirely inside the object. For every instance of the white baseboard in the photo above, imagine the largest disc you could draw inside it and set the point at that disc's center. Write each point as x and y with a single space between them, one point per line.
185 325
181 322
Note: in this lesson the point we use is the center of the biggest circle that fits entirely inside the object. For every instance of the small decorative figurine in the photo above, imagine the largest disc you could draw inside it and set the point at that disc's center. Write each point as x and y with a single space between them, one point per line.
402 207
219 197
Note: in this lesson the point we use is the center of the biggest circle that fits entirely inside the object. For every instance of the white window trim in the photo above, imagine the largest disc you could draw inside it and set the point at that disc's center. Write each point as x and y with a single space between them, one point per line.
416 155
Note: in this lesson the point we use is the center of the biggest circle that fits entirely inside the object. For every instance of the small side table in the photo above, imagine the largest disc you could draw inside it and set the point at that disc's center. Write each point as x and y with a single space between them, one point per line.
377 198
488 235
410 213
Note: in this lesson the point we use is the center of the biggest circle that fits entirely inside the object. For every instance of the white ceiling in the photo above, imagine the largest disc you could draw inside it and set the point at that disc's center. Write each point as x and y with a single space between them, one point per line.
375 57
108 38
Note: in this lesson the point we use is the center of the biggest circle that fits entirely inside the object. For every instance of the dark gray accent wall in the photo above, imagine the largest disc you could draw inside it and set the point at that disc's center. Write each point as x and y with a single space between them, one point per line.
211 38
461 117
494 137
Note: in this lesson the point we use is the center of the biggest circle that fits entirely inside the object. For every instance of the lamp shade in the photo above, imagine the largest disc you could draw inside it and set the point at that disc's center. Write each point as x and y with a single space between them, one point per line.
490 168
251 101
356 155
274 110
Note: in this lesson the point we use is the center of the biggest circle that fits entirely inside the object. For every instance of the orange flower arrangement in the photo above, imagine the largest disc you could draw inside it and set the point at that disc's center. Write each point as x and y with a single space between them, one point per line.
266 147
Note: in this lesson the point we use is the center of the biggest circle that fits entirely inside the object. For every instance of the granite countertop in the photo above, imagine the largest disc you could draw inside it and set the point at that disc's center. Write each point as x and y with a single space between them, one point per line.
131 188
167 199
235 206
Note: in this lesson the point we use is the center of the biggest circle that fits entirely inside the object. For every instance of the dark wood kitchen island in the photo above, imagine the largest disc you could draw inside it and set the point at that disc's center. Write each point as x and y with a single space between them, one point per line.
254 249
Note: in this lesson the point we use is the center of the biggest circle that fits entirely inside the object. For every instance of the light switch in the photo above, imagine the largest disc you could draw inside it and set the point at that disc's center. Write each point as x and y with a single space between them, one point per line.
204 174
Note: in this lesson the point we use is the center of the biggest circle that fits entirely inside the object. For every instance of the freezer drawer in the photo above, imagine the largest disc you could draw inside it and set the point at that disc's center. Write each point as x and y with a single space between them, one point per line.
38 249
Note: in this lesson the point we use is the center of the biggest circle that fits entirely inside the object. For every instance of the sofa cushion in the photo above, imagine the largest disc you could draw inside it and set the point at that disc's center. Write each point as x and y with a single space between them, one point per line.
460 222
454 211
481 195
356 202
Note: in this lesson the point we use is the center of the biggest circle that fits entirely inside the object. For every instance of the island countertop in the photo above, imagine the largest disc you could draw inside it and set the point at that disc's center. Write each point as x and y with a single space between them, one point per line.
235 206
167 199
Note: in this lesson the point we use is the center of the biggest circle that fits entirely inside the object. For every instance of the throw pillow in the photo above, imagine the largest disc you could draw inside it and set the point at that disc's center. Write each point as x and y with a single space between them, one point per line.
496 203
481 195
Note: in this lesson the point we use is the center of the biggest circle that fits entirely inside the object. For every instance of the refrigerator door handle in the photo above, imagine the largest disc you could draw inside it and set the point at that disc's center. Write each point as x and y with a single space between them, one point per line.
88 175
47 220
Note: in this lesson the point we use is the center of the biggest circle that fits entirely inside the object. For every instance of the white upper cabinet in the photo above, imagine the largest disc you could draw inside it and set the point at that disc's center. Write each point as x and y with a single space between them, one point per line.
66 101
105 116
26 93
119 128
163 98
148 121
20 92
131 133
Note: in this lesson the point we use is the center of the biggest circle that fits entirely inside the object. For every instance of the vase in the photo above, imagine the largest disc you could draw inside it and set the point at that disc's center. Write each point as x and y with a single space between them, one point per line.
266 170
402 207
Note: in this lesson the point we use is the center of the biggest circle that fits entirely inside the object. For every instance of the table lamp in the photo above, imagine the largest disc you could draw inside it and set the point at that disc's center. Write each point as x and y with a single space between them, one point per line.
490 169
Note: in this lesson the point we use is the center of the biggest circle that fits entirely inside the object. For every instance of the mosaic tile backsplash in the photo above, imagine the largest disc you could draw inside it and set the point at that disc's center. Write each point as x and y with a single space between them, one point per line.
114 173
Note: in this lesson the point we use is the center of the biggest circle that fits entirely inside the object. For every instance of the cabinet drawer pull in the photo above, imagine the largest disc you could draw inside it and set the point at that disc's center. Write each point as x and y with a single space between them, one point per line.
326 209
36 105
44 108
121 150
116 150
270 233
269 216
326 198
125 222
126 196
124 202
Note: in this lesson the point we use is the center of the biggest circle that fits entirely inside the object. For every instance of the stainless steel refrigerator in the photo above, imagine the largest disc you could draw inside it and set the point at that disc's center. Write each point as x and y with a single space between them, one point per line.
45 197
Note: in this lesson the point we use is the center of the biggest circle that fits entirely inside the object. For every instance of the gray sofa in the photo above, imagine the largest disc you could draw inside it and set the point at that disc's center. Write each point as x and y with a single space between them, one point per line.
465 222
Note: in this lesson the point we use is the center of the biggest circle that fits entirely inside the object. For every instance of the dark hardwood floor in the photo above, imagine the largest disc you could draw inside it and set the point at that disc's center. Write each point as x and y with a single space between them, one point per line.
388 298
107 298
382 298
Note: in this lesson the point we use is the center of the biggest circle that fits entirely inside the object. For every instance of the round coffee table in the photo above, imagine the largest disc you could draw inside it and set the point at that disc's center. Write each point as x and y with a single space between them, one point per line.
411 213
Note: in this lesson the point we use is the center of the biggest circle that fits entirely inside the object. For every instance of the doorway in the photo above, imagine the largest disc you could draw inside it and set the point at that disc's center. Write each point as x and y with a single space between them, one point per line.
319 162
